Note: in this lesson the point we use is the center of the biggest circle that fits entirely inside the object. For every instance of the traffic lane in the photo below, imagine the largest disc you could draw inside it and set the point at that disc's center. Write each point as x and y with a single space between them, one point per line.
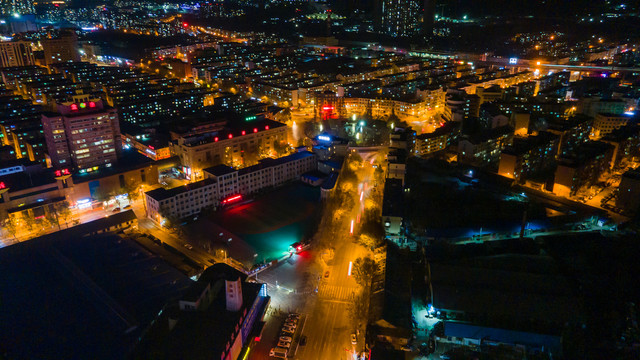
327 332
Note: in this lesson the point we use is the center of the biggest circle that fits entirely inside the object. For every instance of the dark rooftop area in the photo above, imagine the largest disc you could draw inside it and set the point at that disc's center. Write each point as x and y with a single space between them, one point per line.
80 297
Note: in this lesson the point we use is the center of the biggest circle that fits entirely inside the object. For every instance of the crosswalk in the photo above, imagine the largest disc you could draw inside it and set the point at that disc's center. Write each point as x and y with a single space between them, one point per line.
334 292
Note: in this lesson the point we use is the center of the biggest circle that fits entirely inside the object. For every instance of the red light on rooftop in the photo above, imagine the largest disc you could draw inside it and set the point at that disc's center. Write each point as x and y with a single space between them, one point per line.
230 136
185 24
2 185
151 147
215 139
266 127
244 132
255 130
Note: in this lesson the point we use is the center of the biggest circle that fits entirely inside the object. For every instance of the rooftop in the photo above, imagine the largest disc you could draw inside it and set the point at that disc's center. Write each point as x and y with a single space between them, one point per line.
393 198
201 334
95 296
524 145
160 194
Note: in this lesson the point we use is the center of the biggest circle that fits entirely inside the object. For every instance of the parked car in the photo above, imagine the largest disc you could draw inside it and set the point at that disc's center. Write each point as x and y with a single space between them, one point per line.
287 331
188 246
294 315
284 344
354 340
303 340
116 210
286 338
290 329
278 352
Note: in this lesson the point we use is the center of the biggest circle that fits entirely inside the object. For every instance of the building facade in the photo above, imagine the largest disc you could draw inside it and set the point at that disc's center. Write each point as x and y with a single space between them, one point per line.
84 134
16 53
223 185
228 146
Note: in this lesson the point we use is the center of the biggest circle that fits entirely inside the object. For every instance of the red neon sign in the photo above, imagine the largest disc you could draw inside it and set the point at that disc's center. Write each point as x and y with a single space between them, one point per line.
74 107
92 104
62 172
231 199
327 108
2 185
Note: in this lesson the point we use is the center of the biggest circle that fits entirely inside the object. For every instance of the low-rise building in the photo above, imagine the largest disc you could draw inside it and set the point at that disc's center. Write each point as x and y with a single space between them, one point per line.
220 315
223 185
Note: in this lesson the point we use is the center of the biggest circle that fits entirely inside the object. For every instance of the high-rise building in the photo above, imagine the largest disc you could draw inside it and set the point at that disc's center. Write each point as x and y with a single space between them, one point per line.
61 49
13 7
400 18
16 53
83 134
428 16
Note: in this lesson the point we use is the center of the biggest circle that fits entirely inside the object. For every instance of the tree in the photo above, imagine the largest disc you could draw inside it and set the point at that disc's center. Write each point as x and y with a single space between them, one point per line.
52 218
363 270
368 241
131 189
63 210
359 308
9 223
29 220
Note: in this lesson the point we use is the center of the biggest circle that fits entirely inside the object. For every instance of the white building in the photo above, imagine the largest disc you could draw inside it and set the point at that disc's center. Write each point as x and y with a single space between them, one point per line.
223 184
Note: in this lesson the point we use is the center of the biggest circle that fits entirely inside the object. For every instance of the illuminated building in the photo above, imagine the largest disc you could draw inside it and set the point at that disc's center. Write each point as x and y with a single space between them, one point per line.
152 145
16 7
16 53
528 156
26 188
21 128
252 139
484 148
583 168
626 143
606 123
438 140
328 105
61 49
400 18
225 183
84 134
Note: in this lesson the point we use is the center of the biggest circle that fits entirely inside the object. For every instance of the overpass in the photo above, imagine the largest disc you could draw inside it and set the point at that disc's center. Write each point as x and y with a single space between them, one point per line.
539 64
